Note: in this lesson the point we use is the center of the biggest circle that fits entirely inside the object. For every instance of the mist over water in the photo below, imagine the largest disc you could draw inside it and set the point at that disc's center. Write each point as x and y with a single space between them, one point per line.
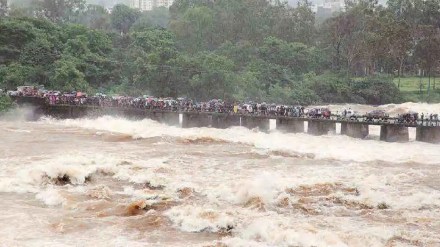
140 183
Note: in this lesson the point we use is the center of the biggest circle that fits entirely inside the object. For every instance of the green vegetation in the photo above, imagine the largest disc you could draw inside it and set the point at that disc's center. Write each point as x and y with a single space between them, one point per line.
230 49
5 103
414 89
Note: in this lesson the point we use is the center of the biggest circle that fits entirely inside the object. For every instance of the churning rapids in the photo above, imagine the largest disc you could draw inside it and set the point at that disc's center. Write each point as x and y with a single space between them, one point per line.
115 182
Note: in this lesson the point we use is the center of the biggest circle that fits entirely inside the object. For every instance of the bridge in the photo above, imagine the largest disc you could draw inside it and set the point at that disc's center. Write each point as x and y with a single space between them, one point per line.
390 130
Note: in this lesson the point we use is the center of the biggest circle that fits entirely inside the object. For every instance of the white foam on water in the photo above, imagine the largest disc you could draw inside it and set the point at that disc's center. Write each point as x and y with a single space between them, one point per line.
282 233
227 191
266 187
191 218
51 197
392 109
323 147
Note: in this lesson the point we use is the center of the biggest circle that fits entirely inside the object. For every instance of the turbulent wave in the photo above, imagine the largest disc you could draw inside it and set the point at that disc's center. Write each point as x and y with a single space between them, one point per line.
392 109
70 182
321 147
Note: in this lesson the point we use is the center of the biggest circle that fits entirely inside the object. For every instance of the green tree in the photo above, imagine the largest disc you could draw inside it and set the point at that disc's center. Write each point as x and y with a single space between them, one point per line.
398 37
376 90
156 18
195 28
59 10
95 17
295 56
297 24
5 103
14 37
249 88
214 78
427 52
123 17
151 53
67 77
15 75
3 8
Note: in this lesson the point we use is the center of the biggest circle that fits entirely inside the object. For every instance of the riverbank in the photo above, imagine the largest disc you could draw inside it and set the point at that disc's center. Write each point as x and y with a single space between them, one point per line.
414 89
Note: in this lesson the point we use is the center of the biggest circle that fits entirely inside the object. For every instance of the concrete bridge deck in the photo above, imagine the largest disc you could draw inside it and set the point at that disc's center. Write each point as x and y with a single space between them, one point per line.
391 130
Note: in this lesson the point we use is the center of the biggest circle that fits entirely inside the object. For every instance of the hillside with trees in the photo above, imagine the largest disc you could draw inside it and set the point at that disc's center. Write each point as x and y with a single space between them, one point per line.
229 49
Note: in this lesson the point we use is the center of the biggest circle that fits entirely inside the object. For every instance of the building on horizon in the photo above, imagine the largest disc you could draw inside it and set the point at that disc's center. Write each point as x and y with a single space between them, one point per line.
146 5
334 5
328 8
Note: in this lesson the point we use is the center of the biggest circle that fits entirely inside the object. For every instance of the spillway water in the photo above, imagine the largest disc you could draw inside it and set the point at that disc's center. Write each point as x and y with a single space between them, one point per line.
115 182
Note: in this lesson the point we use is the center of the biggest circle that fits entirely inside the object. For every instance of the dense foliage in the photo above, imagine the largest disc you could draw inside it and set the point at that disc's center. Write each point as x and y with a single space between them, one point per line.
232 49
5 103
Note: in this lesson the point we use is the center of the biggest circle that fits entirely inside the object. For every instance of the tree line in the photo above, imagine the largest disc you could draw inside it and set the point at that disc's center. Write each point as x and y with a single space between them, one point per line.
256 50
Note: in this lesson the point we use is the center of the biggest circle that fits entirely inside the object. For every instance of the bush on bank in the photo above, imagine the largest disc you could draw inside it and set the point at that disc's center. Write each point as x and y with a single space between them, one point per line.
5 103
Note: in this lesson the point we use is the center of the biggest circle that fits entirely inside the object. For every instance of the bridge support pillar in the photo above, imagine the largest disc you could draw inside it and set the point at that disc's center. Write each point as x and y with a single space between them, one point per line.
290 125
429 134
252 122
130 113
170 118
393 133
319 127
224 121
78 112
355 130
64 111
196 120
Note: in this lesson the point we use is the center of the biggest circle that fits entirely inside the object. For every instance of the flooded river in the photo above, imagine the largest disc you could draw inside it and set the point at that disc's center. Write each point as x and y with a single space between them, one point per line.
115 182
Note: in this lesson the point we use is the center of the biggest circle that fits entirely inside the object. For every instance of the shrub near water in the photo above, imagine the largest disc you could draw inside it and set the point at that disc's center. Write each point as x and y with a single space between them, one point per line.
5 103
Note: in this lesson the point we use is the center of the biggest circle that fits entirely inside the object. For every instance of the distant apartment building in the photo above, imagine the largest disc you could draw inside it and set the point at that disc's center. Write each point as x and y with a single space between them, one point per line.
164 3
145 5
334 5
328 8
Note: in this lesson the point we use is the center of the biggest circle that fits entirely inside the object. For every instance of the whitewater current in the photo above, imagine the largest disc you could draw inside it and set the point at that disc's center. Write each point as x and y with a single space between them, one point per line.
115 182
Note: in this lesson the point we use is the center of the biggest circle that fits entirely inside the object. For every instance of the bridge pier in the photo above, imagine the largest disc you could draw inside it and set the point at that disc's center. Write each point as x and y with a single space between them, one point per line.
77 112
290 125
131 113
170 118
394 133
63 112
196 120
429 134
219 121
251 122
355 130
319 127
224 121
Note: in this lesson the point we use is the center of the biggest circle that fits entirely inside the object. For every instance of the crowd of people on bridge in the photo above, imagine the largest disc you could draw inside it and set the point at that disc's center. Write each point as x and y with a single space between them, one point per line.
216 106
162 104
